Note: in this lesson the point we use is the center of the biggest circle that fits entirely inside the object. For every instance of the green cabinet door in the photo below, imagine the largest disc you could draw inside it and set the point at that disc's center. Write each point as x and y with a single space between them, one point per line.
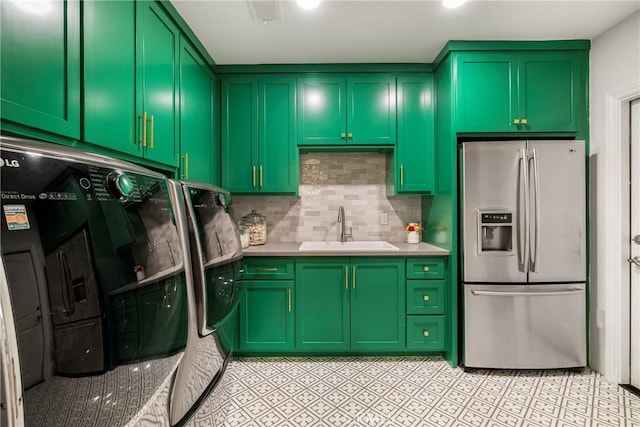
157 59
40 67
266 316
197 133
240 134
414 155
321 111
552 92
109 59
371 110
277 152
377 304
487 93
322 305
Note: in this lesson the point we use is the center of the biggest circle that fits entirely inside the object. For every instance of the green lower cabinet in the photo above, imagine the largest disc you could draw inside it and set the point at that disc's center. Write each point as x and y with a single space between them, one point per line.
377 305
425 333
322 305
425 296
266 316
350 305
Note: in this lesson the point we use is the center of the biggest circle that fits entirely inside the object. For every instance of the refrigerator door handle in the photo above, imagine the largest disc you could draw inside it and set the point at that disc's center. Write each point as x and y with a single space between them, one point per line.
528 294
534 237
523 214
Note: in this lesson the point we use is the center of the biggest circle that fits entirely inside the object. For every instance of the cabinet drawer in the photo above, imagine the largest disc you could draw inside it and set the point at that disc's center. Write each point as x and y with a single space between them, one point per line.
426 268
425 333
425 296
268 268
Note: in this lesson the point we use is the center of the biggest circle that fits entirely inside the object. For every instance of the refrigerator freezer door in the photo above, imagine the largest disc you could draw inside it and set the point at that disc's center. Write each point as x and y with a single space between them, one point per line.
73 291
558 214
525 326
79 347
494 175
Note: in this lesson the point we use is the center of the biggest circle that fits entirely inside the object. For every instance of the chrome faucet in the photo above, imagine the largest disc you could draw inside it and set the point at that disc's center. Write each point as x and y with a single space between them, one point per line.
341 220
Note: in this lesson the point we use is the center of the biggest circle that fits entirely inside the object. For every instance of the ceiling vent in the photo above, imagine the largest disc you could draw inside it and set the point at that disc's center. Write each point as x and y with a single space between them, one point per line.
265 11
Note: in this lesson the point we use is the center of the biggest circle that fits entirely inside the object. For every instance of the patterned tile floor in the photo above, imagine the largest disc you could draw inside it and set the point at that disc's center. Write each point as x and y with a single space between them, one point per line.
417 391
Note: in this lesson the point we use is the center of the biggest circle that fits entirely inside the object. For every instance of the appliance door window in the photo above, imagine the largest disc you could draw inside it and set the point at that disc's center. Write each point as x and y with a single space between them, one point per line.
493 183
525 326
557 211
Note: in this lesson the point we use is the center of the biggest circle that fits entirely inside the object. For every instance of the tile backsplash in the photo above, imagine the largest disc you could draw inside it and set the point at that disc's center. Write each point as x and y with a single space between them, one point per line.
355 181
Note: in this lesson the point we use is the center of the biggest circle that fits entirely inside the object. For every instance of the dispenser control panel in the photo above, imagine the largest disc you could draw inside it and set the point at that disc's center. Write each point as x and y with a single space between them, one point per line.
495 233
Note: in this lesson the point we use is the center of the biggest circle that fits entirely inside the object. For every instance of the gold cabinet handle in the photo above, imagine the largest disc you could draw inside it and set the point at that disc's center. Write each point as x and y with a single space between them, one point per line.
425 297
185 175
144 129
343 135
350 135
152 128
516 121
401 175
425 333
346 277
353 276
253 176
266 269
289 292
524 121
425 268
260 175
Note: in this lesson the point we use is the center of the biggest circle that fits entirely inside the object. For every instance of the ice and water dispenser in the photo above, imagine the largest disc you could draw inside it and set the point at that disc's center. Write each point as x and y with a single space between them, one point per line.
495 232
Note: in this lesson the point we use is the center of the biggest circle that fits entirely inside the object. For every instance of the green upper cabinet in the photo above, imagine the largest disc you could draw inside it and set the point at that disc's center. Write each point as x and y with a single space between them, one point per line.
109 35
258 134
353 110
414 161
157 80
356 304
198 142
40 67
535 91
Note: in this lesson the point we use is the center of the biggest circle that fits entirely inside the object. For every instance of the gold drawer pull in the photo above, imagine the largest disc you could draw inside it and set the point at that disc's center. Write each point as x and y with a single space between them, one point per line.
426 297
343 135
425 333
289 295
266 269
516 121
426 268
524 121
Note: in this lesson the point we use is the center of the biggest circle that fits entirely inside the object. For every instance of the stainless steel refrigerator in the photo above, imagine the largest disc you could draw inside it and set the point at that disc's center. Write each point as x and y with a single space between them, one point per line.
523 218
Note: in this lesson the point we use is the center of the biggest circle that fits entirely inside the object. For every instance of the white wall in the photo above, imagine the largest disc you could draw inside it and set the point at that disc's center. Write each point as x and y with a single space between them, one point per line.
615 79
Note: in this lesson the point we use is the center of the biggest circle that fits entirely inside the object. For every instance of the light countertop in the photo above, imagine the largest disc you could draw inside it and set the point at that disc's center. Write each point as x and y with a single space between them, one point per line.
292 249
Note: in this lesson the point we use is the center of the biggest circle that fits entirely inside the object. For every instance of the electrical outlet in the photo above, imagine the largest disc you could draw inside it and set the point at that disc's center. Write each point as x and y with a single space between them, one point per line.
384 218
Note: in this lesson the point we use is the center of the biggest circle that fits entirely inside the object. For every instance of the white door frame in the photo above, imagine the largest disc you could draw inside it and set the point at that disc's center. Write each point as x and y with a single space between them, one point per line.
613 255
634 275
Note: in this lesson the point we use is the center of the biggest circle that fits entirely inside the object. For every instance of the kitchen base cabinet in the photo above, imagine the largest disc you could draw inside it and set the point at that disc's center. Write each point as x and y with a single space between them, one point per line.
377 304
266 316
355 305
425 333
322 305
266 309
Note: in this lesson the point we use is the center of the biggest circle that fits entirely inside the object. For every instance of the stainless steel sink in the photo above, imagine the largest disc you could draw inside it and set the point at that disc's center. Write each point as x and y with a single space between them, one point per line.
362 245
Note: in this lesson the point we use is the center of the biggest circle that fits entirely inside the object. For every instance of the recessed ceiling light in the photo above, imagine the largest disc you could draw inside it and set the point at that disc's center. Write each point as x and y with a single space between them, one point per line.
450 4
308 4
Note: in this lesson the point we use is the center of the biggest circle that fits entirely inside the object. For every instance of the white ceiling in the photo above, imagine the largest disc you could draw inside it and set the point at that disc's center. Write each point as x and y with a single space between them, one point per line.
386 31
